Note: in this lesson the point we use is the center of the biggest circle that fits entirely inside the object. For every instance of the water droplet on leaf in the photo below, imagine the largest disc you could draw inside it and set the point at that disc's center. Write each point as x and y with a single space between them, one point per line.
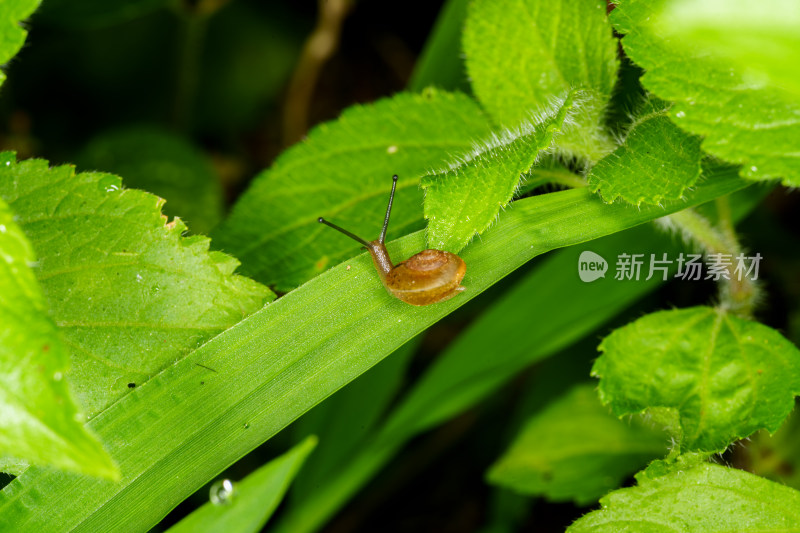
222 492
108 184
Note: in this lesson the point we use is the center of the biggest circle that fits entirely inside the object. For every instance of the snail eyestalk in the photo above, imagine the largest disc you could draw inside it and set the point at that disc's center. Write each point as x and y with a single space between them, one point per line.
382 238
342 230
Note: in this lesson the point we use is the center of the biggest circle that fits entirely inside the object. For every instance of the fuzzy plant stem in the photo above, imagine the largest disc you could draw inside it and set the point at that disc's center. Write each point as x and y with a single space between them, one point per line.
737 295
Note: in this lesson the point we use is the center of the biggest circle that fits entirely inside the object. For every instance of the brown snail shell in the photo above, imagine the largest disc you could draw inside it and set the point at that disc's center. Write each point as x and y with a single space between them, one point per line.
425 278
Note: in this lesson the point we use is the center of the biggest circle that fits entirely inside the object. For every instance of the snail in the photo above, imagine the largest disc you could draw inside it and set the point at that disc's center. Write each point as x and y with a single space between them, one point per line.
425 278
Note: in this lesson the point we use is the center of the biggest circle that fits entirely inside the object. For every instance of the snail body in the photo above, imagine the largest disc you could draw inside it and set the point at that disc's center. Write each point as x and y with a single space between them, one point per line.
429 277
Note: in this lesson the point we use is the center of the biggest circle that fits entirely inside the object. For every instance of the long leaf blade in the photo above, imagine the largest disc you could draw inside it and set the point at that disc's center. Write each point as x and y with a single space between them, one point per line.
188 423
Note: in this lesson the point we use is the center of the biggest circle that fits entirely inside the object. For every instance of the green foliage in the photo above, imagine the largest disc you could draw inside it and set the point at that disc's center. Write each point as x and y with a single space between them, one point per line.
253 500
38 416
742 121
644 171
705 498
463 376
130 294
12 34
575 450
463 200
716 377
182 369
761 38
567 45
162 163
166 447
343 171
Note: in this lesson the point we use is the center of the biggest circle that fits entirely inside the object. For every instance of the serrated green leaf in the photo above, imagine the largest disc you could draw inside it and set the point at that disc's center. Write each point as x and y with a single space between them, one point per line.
705 499
12 34
254 498
463 200
742 120
657 162
38 416
129 294
575 450
762 38
522 53
164 164
201 414
718 376
13 466
343 171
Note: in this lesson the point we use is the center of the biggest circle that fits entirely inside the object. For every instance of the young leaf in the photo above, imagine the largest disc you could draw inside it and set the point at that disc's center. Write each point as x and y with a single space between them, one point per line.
463 200
522 53
575 450
254 499
742 121
718 376
164 164
707 498
12 34
343 171
231 394
657 162
38 416
128 292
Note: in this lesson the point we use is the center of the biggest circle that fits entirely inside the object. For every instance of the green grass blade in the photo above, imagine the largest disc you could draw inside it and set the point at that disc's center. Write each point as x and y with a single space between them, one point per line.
441 62
254 499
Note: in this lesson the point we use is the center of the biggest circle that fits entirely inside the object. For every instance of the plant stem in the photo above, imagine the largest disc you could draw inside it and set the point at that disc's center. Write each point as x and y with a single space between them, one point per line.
318 48
737 293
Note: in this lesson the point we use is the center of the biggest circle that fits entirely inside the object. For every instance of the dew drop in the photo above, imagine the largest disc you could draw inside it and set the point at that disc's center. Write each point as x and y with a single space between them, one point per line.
108 184
2 228
139 278
391 150
754 169
680 114
222 492
58 376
